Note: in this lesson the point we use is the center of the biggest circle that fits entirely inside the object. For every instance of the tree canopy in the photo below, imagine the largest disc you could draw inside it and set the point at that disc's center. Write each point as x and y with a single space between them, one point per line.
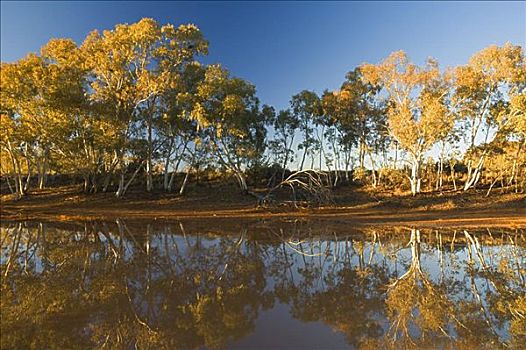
134 105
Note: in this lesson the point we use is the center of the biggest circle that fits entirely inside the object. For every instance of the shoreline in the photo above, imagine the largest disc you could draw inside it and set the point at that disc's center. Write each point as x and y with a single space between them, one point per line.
513 217
227 207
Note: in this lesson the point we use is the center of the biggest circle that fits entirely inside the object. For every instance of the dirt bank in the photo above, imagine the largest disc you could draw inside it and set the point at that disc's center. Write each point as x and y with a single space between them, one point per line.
352 207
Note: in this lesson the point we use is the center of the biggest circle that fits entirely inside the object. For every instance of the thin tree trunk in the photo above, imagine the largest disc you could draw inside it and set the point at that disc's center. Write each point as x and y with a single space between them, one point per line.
9 184
439 174
396 156
491 186
453 176
149 178
415 176
176 168
174 172
373 166
19 188
474 177
185 182
124 187
42 169
303 158
86 182
286 160
28 164
321 139
242 182
120 190
361 153
166 179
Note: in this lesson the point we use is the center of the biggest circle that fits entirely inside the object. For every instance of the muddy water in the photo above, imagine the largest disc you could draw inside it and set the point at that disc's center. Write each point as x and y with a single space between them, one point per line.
124 285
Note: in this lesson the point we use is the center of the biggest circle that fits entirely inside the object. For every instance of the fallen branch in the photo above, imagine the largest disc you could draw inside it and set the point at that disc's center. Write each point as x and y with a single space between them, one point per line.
308 182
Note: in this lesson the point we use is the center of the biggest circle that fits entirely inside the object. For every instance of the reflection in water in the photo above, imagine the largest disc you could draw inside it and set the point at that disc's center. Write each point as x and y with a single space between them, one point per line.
117 285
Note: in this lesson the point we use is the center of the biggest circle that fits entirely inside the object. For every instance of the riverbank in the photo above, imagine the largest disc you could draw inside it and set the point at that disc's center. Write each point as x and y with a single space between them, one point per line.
356 207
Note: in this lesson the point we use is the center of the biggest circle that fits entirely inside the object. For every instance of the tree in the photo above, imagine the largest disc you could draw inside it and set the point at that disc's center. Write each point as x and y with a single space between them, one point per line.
234 126
285 125
23 100
306 107
176 129
42 95
492 79
132 66
355 108
417 105
358 115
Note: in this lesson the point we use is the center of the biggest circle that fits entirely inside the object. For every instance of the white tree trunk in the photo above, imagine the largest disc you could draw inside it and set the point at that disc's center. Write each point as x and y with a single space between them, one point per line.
415 176
474 176
242 182
453 176
120 190
19 187
124 187
9 184
149 178
185 182
42 170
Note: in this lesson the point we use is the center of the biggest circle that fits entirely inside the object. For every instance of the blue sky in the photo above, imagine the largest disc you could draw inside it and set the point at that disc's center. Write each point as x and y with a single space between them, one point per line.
284 47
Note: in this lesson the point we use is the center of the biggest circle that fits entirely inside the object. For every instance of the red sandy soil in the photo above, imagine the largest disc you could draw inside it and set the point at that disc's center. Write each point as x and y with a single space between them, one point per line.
353 207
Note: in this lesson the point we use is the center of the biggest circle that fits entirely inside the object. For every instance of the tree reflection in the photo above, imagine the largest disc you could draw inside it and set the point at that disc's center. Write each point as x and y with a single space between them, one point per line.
115 290
335 288
130 286
415 303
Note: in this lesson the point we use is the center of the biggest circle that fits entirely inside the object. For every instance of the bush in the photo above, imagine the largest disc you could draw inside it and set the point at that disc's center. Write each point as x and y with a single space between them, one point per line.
393 178
361 176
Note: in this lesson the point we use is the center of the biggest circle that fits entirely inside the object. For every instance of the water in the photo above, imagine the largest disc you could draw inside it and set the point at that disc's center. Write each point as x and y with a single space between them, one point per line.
290 285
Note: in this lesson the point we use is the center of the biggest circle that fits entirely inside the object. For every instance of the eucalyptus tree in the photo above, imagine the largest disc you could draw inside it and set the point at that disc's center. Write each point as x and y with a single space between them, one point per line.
22 102
355 107
42 95
131 66
306 107
514 114
176 129
487 92
285 125
233 123
417 105
359 116
11 133
341 133
79 137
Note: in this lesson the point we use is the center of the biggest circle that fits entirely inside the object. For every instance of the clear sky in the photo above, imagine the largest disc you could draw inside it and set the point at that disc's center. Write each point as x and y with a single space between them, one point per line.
284 47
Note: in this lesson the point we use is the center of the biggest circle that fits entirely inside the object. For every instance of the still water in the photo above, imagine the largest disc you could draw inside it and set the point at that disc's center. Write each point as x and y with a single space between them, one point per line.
294 285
